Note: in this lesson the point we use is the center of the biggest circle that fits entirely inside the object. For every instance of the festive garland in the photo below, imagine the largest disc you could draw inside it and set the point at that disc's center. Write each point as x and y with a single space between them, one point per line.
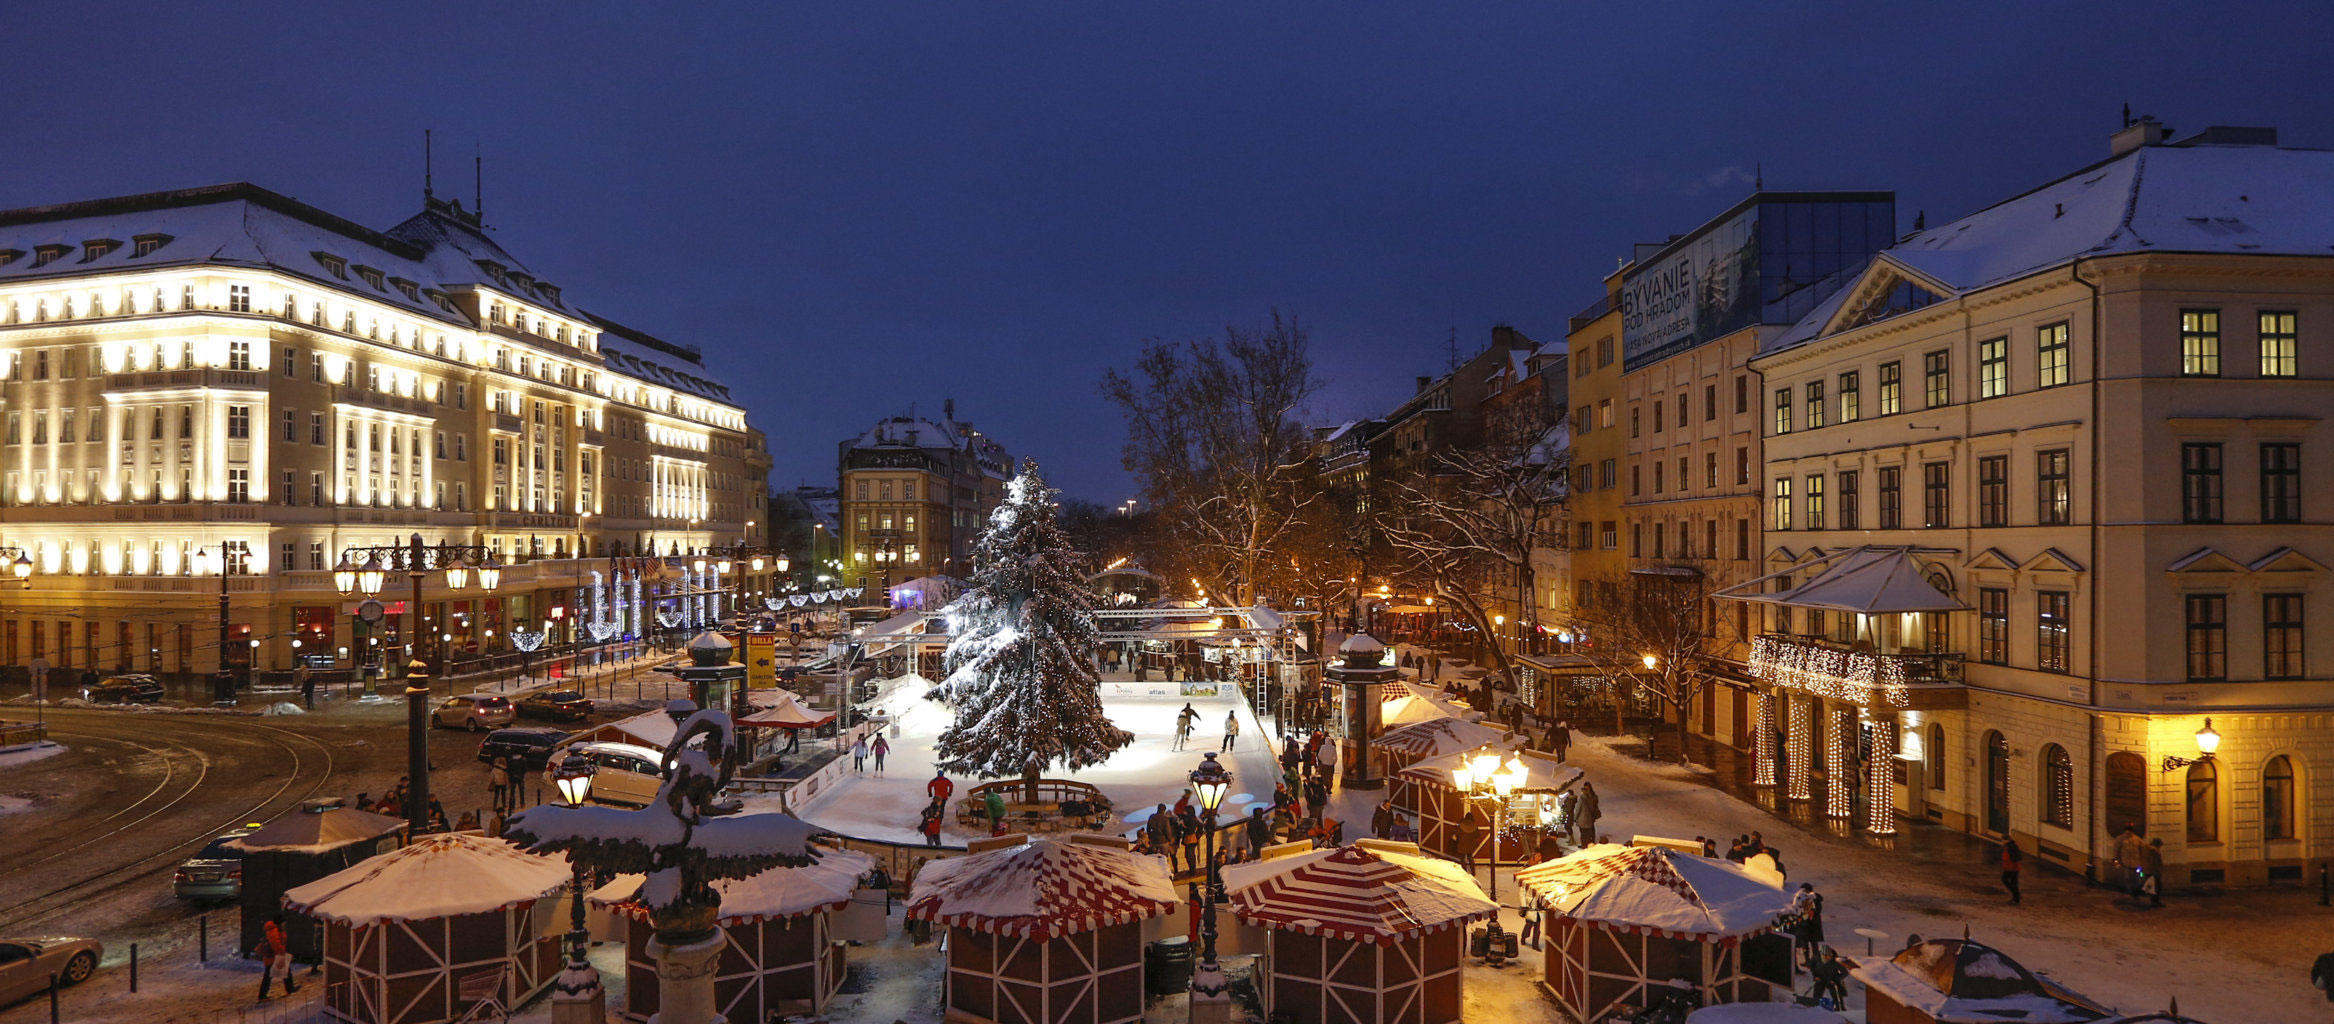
1850 676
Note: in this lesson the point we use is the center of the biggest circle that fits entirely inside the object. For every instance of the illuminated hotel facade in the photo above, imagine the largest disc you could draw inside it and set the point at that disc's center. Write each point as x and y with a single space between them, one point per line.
226 380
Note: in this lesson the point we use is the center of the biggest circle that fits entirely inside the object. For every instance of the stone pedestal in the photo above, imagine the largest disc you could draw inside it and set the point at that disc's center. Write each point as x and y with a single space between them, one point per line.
685 980
577 998
1211 996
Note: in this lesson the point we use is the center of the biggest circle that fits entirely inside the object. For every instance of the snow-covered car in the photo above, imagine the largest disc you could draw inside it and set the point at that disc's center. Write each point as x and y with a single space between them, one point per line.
135 688
474 711
623 774
216 873
26 963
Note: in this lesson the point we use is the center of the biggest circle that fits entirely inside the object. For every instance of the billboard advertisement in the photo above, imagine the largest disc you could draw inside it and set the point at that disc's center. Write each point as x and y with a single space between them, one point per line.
1701 288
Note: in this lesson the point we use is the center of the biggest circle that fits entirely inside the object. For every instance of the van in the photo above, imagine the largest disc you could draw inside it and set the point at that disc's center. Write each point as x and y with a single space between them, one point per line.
623 774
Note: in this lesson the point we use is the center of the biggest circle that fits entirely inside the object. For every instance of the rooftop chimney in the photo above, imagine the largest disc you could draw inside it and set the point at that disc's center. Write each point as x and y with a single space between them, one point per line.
2147 131
1423 382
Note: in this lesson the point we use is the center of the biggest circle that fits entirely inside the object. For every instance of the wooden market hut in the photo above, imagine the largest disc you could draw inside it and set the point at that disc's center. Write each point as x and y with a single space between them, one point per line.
404 931
1534 809
783 956
1370 932
1411 709
1625 922
1957 981
1047 931
1418 741
297 849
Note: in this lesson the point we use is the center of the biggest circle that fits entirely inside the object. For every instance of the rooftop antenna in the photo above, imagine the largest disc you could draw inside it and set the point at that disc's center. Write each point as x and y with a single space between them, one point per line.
426 167
1758 177
1451 347
478 185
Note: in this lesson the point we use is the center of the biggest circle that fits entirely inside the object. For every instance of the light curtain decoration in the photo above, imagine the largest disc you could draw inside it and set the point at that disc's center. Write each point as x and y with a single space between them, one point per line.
1828 671
528 640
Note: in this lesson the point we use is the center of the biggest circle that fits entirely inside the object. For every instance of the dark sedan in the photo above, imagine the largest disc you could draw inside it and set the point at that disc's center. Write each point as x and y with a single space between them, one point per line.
556 706
524 748
137 688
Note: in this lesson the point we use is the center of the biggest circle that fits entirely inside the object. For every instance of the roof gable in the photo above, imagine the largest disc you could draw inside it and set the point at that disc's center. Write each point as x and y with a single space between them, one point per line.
2205 560
2286 560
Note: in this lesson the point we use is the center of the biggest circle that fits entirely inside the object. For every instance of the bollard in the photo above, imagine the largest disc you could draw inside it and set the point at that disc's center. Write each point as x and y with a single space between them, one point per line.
133 967
203 939
2325 895
52 997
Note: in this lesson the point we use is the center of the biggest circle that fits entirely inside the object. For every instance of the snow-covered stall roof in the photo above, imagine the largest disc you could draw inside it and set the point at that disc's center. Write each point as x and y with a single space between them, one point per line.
317 831
777 893
1542 772
1043 888
930 593
787 712
437 876
1411 709
1371 891
1439 736
1958 980
1658 889
1865 580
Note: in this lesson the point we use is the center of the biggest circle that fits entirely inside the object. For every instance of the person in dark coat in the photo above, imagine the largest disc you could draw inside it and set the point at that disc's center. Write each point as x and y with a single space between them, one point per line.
2152 863
1259 832
1831 978
1382 819
2322 975
2013 861
1587 813
930 824
1316 796
1560 739
1159 828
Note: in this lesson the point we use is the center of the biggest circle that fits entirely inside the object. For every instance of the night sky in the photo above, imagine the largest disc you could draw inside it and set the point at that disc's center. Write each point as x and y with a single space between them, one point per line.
856 208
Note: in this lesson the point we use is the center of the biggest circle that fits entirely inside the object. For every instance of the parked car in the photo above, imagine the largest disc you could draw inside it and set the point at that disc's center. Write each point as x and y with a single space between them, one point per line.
473 711
525 747
136 688
623 774
216 873
556 705
25 964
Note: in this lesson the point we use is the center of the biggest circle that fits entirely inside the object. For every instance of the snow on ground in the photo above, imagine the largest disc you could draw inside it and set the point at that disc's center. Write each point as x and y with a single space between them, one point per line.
28 753
1137 779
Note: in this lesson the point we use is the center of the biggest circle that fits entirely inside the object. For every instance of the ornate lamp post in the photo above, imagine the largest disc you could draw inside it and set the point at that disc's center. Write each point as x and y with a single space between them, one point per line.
2208 743
577 997
1484 777
1210 998
366 571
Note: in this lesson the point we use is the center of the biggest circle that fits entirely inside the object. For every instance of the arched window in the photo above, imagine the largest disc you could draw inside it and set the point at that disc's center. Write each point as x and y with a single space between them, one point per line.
2277 798
2204 803
2058 787
1933 756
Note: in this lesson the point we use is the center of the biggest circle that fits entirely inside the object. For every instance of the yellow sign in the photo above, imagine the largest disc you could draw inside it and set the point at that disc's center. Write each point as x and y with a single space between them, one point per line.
761 661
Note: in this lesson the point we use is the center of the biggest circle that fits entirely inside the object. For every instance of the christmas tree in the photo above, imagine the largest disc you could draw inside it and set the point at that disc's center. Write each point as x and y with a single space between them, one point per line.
1021 673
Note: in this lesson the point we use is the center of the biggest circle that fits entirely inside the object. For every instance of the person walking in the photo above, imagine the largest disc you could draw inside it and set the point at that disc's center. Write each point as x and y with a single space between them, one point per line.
1382 818
2013 861
1325 762
940 789
1316 797
1587 813
307 683
1231 729
1159 830
882 746
930 824
1561 739
2130 851
499 780
1259 832
1807 908
1290 752
994 802
275 957
859 754
1533 908
1187 830
2152 862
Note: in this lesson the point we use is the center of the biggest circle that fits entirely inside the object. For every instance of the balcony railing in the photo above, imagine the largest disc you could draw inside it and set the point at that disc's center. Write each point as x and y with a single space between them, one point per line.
1841 672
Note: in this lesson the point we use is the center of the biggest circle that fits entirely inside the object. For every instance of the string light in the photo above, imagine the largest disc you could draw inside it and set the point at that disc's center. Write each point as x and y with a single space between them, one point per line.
1802 714
1840 796
1763 742
1841 675
1880 781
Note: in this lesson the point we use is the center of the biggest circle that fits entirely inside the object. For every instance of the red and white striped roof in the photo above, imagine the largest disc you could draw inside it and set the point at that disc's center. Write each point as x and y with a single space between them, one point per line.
1371 891
1044 888
1658 890
1438 737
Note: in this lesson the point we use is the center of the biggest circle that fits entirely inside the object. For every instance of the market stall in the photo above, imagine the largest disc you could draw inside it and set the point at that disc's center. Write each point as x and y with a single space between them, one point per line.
1419 741
1369 932
782 955
1047 931
297 849
408 933
1957 981
1457 825
1627 922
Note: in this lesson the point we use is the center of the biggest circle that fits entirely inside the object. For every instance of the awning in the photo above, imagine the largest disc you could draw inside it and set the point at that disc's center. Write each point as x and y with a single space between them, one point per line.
1865 580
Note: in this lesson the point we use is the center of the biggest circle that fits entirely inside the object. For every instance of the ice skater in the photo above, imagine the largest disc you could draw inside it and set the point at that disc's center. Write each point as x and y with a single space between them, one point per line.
1231 729
859 754
882 746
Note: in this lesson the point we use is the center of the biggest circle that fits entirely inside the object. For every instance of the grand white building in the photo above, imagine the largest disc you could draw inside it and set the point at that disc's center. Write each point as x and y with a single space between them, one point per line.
224 380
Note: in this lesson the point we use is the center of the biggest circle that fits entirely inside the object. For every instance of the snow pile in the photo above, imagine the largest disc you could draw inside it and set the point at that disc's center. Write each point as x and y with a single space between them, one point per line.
777 893
438 876
283 707
1043 888
1657 889
12 804
29 753
1371 891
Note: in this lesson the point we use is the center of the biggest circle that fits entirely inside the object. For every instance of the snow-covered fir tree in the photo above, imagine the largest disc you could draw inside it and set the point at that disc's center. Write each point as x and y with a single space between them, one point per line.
1021 674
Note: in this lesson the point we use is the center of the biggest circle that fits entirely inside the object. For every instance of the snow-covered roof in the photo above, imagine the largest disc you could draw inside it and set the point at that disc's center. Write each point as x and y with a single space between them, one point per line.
1956 981
1043 888
1657 889
1542 772
777 893
1361 643
459 251
437 876
647 357
1439 736
910 432
1370 891
787 713
318 831
1410 709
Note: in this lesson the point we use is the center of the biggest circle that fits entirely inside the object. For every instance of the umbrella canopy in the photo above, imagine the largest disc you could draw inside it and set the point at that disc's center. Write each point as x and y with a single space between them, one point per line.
780 892
1043 888
438 876
1658 889
318 831
1371 891
1437 737
1868 581
787 712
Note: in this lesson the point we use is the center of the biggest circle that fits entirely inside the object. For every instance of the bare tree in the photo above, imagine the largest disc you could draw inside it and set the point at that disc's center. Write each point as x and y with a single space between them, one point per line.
1213 437
1653 628
1467 530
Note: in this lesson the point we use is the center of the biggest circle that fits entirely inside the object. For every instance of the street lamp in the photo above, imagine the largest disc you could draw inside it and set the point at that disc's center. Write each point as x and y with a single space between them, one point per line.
1482 776
581 981
2208 743
1210 781
371 578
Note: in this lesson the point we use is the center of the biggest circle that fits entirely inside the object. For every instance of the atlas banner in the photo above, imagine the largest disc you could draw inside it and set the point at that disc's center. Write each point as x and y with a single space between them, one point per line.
761 661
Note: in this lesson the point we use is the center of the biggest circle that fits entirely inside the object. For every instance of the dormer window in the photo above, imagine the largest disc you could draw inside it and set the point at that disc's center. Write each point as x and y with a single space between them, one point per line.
8 256
409 289
372 277
523 282
142 245
332 264
493 270
444 301
43 255
96 247
550 292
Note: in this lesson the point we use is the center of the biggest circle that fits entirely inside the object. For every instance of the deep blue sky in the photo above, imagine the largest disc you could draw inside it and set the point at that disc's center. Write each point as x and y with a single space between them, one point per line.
858 206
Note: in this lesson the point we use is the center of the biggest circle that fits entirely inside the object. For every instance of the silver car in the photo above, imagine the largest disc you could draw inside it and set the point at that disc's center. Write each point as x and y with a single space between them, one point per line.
25 964
476 712
214 874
